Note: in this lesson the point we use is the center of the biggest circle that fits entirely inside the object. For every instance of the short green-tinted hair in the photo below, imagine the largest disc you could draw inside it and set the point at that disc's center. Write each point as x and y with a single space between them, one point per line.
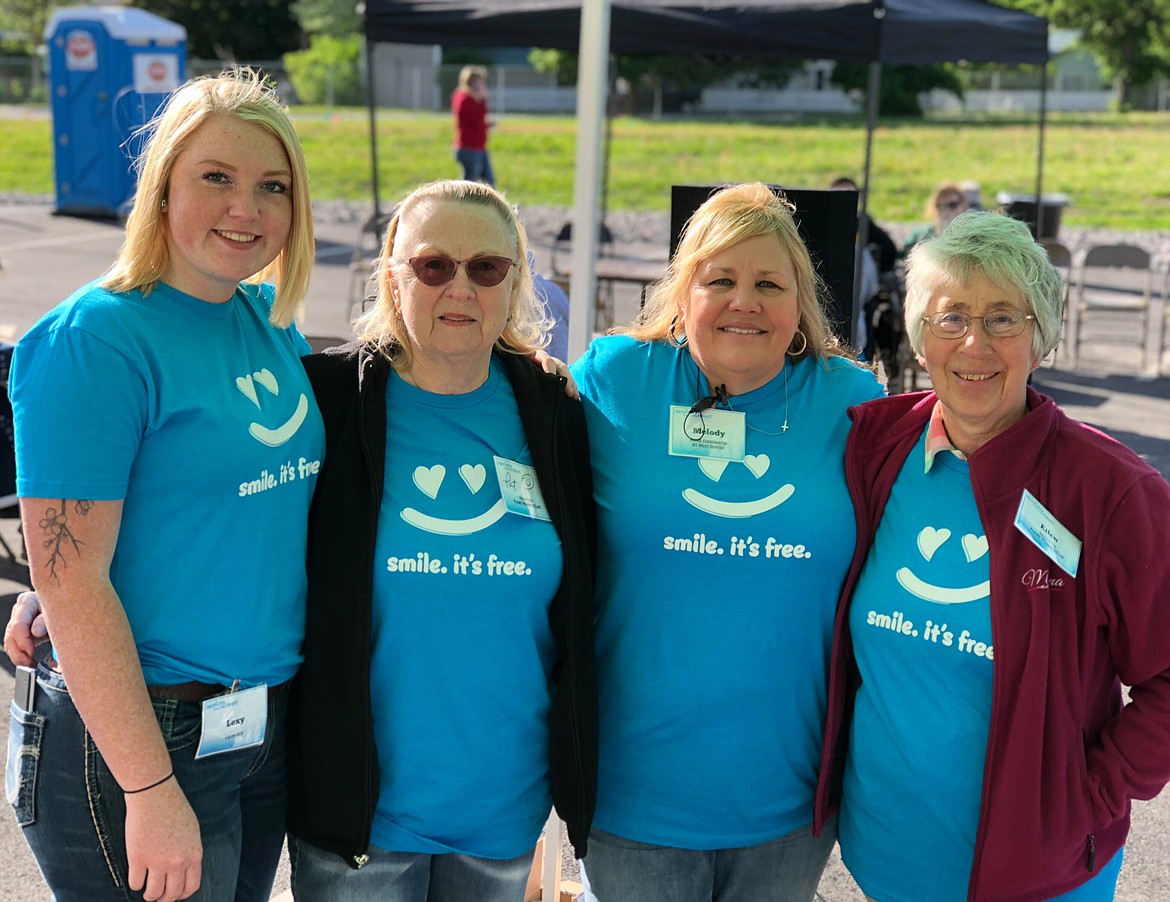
998 248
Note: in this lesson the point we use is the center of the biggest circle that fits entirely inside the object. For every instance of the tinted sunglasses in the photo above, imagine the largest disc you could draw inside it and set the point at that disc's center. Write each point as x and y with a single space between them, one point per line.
436 269
951 205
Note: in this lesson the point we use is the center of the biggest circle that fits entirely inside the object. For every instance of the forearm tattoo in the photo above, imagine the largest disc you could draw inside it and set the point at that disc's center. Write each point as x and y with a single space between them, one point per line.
59 535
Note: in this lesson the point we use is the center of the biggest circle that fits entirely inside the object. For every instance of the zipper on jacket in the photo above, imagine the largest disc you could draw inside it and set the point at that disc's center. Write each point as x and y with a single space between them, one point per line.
1092 852
369 363
571 638
980 826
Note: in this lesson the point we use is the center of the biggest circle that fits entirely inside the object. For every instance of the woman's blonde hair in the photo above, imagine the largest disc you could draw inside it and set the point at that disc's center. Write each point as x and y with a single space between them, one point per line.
727 218
238 92
467 73
931 211
528 320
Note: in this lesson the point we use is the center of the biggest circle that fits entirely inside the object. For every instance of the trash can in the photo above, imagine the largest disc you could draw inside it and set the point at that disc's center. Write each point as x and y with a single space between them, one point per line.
110 69
1023 208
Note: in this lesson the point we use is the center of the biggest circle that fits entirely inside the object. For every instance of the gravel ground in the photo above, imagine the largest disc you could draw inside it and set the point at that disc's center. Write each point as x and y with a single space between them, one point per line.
641 228
630 227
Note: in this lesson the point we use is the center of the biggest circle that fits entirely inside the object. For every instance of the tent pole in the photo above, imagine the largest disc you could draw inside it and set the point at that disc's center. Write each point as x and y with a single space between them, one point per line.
1040 150
373 128
591 82
873 89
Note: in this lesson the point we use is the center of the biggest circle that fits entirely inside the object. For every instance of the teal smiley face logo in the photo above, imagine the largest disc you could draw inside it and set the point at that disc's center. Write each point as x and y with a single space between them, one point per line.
930 540
714 468
271 435
429 480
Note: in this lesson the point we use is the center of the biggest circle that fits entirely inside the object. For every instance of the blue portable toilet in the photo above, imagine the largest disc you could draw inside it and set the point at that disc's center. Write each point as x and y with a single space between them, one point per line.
110 69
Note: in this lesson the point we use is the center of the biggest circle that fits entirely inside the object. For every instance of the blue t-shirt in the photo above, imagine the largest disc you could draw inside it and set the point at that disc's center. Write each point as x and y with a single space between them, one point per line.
462 646
717 583
920 620
200 418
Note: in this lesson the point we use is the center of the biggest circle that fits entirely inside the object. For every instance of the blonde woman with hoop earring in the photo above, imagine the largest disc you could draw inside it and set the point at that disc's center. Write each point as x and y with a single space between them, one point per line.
717 428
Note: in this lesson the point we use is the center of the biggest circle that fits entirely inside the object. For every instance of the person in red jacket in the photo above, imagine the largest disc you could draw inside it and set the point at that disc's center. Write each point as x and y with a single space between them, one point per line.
1010 574
469 106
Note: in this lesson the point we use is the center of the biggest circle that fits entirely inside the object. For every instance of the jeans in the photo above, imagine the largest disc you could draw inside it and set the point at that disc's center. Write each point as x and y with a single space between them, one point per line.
477 165
320 876
787 869
73 813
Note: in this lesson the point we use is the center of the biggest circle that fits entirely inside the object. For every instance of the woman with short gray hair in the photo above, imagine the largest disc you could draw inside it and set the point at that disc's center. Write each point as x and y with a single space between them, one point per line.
1009 576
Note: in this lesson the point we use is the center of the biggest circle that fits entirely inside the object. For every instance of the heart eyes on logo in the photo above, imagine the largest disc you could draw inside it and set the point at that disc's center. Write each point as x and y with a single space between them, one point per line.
246 384
429 479
931 539
713 469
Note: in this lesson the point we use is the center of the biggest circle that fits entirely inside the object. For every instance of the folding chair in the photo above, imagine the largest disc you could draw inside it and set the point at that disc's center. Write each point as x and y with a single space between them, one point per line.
1115 285
365 254
604 302
1061 257
1161 317
564 238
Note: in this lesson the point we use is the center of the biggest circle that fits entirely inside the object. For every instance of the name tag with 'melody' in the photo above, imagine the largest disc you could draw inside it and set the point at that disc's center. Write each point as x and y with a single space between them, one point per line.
710 433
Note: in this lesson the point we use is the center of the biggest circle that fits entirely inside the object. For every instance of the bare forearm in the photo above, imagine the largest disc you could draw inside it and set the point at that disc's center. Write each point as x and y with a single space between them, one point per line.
100 663
71 544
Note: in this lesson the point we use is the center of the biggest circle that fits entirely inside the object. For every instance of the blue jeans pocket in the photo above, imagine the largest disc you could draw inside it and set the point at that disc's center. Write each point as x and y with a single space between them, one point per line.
181 723
25 733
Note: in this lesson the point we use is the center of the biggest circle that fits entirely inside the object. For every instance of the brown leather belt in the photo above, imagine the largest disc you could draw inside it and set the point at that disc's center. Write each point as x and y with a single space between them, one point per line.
198 692
183 692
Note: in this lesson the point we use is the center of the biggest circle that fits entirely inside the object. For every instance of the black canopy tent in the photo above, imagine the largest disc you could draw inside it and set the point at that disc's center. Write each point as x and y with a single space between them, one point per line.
870 31
893 31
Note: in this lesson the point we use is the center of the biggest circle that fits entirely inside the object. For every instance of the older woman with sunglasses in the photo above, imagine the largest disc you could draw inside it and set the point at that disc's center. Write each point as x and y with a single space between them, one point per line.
447 696
1010 575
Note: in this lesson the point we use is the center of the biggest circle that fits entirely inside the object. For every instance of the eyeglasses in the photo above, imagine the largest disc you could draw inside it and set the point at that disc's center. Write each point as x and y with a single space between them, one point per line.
951 205
1001 324
437 269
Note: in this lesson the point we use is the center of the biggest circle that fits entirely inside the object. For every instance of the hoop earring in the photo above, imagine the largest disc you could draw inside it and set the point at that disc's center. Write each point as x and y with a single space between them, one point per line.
672 338
803 345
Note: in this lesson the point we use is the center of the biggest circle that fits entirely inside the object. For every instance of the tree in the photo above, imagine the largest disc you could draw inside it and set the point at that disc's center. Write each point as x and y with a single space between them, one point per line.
1130 39
335 18
327 72
23 23
240 30
682 74
901 85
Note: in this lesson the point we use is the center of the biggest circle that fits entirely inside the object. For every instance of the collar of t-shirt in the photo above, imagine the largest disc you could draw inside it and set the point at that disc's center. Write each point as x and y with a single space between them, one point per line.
937 439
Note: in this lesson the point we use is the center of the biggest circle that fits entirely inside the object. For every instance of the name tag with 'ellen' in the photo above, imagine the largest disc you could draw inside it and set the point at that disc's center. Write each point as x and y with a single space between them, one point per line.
1048 534
234 721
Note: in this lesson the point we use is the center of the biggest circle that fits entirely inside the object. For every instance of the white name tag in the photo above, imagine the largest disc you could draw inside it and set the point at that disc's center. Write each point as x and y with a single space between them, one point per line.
520 489
1048 534
234 721
711 433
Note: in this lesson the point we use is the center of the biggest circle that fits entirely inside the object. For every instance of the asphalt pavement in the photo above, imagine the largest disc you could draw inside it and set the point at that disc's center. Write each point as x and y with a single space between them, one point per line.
44 258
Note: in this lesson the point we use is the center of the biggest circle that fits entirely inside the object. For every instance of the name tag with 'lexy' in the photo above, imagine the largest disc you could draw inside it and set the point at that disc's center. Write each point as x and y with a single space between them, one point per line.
234 721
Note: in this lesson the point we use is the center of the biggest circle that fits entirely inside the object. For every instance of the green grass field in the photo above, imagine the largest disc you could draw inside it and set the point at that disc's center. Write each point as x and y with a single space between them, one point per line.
1115 168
